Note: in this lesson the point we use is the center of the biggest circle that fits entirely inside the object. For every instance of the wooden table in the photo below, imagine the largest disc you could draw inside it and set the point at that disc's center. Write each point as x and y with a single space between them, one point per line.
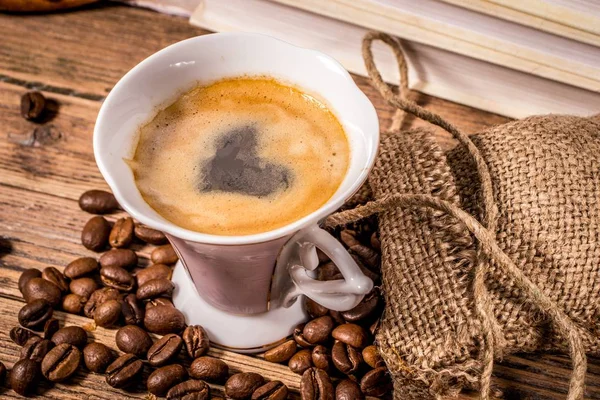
75 58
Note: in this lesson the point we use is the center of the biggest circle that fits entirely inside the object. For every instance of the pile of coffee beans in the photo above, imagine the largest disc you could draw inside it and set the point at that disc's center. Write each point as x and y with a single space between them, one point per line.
334 352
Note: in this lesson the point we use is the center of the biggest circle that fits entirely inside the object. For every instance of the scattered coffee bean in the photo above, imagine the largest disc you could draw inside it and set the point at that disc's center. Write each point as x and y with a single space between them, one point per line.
314 309
155 288
376 382
121 234
133 340
131 310
281 353
196 341
98 297
73 303
189 390
124 371
98 202
301 361
83 287
81 267
61 362
55 276
97 357
149 235
164 350
155 271
94 235
299 337
21 335
39 288
36 349
274 390
2 373
23 377
26 276
74 335
163 319
366 308
164 254
346 358
347 389
50 328
316 385
209 369
164 378
117 278
34 315
108 313
352 334
242 385
33 105
318 330
372 357
124 258
321 358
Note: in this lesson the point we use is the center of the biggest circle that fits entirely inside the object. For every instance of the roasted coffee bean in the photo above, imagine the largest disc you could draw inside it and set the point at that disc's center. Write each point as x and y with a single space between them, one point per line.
155 288
346 358
121 234
164 254
189 390
117 278
133 340
73 303
242 385
34 315
368 271
374 326
299 337
337 318
159 301
36 349
99 297
149 235
352 334
74 335
131 310
375 243
83 287
97 357
38 288
314 309
2 373
301 361
161 380
26 276
98 202
321 358
81 267
94 235
372 357
55 276
163 319
318 330
33 105
61 362
23 377
316 385
274 390
124 258
329 272
155 271
21 335
196 341
376 382
164 350
348 390
365 309
50 328
366 254
281 353
209 369
108 313
124 371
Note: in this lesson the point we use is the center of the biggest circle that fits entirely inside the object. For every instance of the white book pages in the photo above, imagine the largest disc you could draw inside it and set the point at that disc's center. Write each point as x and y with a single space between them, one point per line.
432 71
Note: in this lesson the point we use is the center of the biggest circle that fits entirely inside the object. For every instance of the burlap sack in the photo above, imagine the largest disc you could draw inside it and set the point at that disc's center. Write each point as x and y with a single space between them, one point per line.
491 249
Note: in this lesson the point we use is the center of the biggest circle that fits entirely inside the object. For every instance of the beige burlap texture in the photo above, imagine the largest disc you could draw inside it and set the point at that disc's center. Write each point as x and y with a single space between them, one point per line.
491 249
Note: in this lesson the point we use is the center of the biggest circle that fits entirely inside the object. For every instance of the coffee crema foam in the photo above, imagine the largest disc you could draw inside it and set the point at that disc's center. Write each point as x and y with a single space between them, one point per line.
240 156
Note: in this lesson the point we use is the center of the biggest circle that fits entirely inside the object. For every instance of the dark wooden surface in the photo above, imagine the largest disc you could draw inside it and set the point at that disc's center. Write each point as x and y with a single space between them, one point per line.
75 58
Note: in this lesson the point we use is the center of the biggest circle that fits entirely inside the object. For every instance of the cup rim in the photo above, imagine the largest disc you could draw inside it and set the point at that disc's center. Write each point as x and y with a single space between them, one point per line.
336 201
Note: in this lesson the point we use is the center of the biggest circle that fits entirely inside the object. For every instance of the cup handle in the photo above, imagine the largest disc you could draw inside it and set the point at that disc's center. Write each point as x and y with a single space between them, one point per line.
299 259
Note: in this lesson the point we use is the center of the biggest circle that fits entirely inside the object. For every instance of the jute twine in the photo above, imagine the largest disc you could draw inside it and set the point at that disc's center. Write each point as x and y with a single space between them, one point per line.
488 251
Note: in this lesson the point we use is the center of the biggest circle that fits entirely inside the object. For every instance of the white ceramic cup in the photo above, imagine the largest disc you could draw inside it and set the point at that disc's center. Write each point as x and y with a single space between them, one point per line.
242 289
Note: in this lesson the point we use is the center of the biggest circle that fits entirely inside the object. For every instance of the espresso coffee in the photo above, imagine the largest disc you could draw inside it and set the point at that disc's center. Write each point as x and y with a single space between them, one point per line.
240 156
